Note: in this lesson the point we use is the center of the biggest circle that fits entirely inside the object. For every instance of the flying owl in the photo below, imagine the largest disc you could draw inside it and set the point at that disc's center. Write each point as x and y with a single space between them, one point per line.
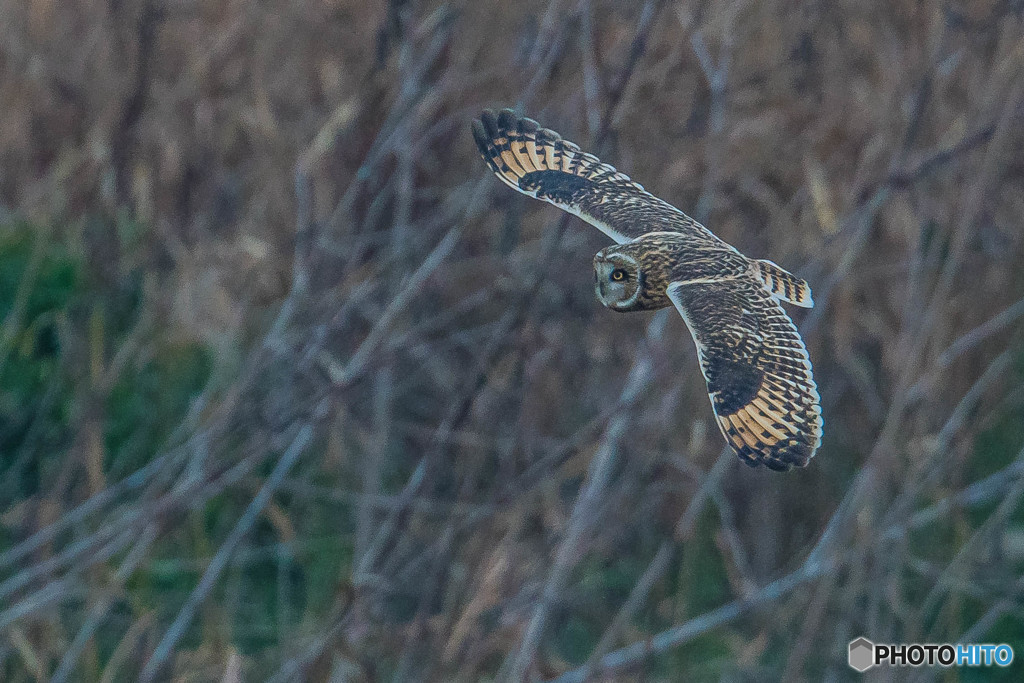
755 364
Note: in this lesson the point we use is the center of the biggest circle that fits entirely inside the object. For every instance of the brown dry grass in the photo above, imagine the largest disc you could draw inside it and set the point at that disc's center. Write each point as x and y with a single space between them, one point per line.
410 443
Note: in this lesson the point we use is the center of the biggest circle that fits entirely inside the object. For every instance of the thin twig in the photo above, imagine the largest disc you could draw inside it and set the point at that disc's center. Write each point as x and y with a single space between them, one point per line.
156 662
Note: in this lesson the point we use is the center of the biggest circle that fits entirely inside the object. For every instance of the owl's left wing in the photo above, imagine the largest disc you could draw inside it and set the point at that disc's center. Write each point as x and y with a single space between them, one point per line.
538 162
757 370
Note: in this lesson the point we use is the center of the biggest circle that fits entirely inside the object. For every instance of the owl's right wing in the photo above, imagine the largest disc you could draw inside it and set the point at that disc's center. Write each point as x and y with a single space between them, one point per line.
538 162
757 370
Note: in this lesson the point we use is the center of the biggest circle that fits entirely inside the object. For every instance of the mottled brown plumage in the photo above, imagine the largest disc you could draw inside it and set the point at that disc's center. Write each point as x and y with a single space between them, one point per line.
755 364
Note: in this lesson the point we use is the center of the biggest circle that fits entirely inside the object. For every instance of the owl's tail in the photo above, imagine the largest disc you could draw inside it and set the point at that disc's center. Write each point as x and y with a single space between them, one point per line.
784 285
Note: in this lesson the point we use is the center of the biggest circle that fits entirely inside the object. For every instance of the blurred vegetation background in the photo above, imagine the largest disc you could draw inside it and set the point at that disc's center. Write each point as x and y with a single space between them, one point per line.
291 388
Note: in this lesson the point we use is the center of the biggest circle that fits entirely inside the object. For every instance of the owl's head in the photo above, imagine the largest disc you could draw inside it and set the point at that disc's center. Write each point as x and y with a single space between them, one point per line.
634 276
618 280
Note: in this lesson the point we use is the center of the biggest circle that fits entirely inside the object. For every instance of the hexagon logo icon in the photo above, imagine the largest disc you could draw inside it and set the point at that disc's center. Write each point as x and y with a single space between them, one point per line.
862 653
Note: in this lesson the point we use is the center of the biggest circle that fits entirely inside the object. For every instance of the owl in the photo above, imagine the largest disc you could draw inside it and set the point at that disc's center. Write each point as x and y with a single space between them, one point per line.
753 360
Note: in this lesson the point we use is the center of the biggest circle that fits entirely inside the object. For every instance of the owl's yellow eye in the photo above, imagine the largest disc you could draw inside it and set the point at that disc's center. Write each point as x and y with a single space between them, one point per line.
618 275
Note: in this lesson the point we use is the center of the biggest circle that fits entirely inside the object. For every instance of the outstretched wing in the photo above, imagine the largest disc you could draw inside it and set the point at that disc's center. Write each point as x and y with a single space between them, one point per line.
539 163
757 370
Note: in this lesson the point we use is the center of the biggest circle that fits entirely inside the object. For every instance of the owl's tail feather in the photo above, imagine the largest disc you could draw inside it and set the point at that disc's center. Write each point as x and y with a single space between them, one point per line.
784 285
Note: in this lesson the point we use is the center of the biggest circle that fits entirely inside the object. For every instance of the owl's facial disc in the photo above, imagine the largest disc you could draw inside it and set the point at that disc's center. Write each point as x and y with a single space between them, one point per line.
616 280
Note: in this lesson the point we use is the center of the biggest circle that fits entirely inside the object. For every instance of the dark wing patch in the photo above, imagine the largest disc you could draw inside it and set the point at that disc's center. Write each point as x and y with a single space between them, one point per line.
538 162
732 384
556 187
757 370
